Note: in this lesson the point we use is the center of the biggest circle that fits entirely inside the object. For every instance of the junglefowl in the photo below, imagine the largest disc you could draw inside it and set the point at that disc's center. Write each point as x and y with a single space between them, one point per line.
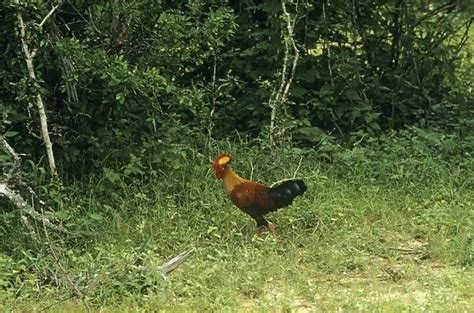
254 198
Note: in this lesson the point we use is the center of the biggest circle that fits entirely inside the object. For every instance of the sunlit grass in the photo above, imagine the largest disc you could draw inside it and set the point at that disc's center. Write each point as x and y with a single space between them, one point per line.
373 232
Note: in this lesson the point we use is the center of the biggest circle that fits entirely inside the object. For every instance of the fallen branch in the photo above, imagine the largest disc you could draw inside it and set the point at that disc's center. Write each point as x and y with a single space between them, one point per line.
7 190
24 208
173 264
169 266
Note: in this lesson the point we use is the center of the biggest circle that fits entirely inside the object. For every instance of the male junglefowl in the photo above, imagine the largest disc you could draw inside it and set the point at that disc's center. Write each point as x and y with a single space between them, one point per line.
254 198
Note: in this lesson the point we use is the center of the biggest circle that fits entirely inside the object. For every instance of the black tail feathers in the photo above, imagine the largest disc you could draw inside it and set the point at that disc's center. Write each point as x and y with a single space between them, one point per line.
285 192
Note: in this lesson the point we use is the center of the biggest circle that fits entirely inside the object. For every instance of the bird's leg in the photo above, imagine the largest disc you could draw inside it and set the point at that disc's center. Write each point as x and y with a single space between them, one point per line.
272 230
260 231
261 225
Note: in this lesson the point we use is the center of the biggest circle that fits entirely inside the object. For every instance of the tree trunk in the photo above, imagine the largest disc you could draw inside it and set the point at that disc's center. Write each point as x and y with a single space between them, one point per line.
278 98
29 56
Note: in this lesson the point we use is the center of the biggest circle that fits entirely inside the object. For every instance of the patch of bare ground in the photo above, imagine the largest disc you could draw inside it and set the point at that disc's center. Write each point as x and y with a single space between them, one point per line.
408 279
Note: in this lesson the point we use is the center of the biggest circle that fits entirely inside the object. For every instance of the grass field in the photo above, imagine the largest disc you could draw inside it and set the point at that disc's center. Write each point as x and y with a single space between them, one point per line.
386 229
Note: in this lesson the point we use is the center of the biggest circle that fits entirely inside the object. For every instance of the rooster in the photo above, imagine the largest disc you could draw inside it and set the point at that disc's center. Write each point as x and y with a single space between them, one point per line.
254 198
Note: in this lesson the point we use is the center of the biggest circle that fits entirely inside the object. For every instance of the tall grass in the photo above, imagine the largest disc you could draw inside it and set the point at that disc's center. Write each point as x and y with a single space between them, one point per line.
385 226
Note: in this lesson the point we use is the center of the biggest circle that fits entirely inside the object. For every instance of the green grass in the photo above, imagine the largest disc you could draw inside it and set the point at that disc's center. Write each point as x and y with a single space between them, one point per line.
385 229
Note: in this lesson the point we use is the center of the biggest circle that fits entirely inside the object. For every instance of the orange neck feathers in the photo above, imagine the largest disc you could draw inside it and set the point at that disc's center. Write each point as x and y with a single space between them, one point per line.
231 179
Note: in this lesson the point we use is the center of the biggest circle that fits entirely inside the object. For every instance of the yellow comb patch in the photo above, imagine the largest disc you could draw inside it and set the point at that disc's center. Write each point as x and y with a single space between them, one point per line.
223 160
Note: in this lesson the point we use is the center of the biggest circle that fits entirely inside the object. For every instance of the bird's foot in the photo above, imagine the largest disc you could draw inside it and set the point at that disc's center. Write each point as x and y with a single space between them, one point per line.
272 230
261 230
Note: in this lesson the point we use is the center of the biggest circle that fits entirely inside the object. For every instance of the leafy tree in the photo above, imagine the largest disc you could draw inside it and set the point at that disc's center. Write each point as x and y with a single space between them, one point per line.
126 80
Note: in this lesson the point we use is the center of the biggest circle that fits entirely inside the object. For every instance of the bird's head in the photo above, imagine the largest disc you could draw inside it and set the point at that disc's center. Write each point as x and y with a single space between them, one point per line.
220 164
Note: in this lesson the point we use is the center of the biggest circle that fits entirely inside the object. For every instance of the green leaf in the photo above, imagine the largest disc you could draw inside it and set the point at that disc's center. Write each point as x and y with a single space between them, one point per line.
352 95
95 216
10 134
120 97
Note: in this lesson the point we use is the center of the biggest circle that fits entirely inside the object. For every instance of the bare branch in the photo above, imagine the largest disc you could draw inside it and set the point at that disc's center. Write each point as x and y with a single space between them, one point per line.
173 264
278 98
298 167
91 21
447 7
15 170
361 32
28 226
48 15
465 35
397 31
213 97
328 49
24 208
21 24
291 40
33 53
32 132
29 55
170 266
15 198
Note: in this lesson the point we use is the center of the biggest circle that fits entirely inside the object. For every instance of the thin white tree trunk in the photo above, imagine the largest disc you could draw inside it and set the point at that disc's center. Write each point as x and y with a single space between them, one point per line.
277 100
29 56
328 48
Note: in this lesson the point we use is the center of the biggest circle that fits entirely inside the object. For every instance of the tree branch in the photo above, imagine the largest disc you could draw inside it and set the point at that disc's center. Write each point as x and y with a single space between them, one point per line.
296 53
278 98
448 7
29 55
465 35
397 31
15 170
328 48
48 15
361 32
13 177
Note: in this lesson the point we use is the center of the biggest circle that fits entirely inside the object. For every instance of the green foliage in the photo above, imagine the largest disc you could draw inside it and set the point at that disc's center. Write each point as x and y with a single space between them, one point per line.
105 89
17 280
376 66
126 79
139 94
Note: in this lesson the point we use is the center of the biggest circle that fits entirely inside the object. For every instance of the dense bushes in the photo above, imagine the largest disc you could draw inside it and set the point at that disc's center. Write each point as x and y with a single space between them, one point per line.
125 82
